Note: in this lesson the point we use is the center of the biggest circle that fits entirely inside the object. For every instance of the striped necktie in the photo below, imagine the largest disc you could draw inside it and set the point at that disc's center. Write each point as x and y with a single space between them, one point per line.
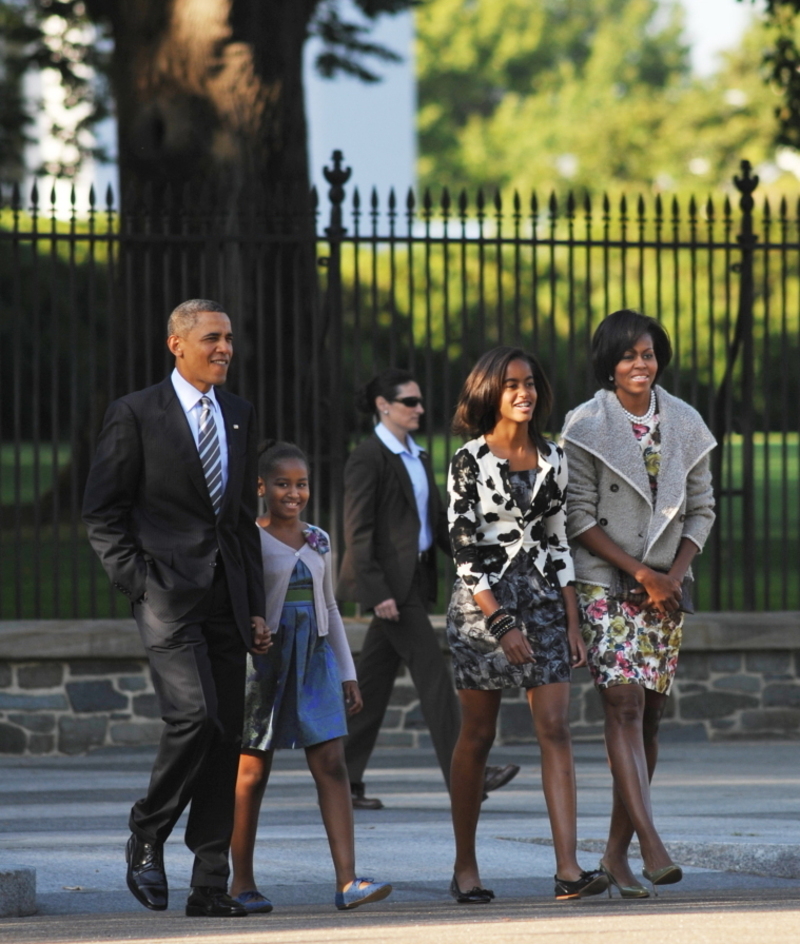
208 447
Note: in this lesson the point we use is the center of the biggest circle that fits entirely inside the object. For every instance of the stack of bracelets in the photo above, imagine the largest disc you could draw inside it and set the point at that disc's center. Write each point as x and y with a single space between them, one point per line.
500 622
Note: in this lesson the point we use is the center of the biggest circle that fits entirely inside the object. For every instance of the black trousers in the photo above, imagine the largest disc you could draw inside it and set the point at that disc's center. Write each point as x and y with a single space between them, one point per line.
413 641
198 669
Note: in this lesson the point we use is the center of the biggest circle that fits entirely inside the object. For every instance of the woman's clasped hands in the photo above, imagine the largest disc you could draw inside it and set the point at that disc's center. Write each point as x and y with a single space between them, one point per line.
663 591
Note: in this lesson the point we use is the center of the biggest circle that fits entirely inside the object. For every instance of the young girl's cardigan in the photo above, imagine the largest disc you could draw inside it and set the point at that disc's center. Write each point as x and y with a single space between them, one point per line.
279 561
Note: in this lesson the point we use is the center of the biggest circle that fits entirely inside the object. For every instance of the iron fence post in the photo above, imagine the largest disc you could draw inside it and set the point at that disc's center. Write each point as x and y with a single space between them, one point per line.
746 184
337 177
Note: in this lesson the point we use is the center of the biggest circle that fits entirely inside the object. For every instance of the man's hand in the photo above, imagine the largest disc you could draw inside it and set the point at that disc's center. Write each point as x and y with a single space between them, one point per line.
388 610
352 697
262 636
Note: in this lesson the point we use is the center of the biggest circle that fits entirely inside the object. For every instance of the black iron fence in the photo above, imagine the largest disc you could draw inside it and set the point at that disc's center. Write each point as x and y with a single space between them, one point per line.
323 298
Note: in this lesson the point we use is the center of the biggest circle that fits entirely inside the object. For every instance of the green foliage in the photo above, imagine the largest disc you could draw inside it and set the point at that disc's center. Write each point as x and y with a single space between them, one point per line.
782 61
75 38
574 94
57 35
14 120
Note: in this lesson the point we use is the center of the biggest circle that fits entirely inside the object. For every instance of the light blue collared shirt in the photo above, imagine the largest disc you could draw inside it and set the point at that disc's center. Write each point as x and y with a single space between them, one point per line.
189 397
419 479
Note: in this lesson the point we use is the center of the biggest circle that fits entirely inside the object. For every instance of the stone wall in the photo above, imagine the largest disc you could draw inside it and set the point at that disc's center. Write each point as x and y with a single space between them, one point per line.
67 687
738 677
70 686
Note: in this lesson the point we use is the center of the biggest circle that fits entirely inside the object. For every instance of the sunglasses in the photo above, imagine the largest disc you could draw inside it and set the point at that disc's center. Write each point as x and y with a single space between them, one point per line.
410 402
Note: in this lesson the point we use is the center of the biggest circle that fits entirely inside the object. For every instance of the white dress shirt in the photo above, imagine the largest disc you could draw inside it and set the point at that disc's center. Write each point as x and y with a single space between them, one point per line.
419 479
189 397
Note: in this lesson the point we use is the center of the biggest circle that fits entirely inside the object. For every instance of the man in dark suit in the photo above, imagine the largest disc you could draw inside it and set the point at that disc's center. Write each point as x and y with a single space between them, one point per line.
170 508
393 520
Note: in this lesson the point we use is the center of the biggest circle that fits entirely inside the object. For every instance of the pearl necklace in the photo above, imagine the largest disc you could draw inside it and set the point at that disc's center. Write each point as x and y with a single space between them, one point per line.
647 416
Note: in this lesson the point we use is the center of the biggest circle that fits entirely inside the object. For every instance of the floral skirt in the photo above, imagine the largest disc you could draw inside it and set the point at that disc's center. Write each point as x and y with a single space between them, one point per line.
628 644
478 658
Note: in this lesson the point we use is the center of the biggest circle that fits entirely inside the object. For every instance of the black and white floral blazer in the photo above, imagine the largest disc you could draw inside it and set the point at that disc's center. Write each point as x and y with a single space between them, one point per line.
487 528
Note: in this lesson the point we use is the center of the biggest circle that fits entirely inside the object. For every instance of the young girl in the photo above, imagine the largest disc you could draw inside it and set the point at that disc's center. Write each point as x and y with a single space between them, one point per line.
297 693
513 616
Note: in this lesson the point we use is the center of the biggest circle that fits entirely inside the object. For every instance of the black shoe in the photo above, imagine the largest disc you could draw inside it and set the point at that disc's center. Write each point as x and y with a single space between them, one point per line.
475 896
590 883
496 777
206 902
361 802
146 878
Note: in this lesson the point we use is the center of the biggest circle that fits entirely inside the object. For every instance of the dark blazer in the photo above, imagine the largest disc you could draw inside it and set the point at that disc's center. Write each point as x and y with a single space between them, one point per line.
148 512
381 527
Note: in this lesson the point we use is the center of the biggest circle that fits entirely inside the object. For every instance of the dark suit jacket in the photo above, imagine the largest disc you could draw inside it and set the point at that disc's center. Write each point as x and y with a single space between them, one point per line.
149 515
381 527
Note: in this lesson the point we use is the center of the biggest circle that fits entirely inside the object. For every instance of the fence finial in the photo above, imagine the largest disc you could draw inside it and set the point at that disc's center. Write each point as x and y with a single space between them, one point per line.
337 177
746 184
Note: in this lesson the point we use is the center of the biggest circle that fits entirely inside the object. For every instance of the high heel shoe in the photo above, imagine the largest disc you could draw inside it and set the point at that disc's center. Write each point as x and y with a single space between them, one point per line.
626 891
668 875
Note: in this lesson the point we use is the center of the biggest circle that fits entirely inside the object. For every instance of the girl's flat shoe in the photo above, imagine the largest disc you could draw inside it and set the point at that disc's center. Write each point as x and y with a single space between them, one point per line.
626 891
668 875
254 902
475 896
590 883
361 892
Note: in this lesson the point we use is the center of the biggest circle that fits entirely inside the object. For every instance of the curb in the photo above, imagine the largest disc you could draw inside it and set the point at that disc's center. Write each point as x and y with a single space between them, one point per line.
17 892
770 859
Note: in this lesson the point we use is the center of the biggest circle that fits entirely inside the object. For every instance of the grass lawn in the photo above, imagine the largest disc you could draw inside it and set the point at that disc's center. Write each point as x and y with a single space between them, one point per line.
54 573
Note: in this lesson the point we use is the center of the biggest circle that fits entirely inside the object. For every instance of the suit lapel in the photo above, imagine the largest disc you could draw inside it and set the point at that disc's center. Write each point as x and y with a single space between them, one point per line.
433 491
176 431
396 463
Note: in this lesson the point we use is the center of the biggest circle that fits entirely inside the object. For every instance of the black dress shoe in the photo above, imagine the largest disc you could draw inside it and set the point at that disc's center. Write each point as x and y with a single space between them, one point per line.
146 878
361 802
206 902
496 777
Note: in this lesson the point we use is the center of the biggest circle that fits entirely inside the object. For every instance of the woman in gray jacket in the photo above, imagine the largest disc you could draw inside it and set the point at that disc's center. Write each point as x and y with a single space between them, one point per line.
640 507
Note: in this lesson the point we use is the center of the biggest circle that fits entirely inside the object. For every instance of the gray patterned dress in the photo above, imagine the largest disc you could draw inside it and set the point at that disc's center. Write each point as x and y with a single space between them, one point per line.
478 658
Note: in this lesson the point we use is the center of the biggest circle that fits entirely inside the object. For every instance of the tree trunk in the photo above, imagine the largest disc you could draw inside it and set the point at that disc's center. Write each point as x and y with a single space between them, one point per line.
212 147
210 93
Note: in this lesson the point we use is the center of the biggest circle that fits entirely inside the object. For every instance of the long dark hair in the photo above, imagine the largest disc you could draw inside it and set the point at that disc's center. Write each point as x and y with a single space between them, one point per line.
476 413
385 385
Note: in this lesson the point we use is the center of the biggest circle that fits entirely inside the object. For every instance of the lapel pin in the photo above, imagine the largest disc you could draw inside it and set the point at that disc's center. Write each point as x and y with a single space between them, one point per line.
235 426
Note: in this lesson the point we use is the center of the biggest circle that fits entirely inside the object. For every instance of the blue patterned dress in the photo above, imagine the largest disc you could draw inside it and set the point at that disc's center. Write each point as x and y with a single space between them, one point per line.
479 661
293 694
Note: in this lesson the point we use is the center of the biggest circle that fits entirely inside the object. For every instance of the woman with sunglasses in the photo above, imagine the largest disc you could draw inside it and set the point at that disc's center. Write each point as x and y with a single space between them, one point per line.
393 520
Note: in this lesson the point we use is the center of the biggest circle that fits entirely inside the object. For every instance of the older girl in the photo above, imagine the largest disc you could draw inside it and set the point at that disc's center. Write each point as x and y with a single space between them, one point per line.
513 617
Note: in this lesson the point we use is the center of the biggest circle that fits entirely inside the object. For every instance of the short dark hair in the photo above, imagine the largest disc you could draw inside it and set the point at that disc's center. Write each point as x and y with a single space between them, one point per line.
617 334
186 315
273 451
476 413
385 385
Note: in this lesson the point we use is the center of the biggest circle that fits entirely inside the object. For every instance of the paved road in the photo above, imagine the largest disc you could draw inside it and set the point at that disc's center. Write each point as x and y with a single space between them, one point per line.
722 805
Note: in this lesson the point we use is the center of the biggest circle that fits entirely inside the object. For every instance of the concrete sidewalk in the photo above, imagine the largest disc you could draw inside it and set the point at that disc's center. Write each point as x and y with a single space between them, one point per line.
731 812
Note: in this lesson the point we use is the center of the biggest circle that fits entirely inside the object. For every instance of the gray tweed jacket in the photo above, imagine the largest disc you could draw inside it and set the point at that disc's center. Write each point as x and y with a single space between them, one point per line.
608 484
